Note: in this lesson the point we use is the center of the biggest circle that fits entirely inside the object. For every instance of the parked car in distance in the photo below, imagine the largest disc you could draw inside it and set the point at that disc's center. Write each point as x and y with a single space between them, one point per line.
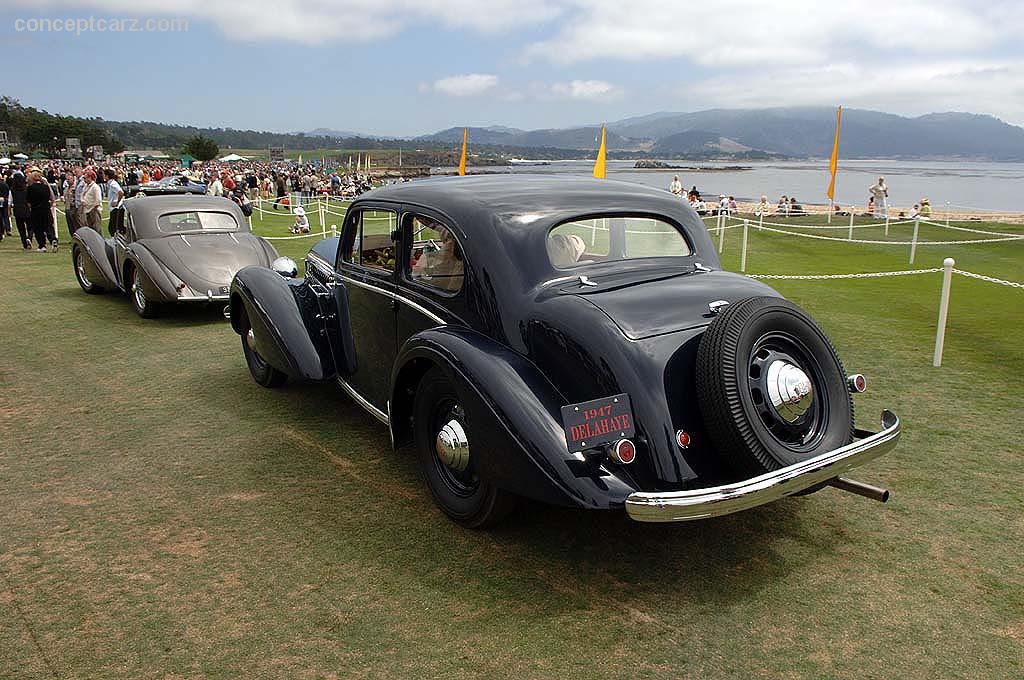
572 341
171 185
168 250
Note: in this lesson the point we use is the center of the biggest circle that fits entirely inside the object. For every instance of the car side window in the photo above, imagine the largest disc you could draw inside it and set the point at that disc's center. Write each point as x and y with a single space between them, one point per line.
372 246
435 257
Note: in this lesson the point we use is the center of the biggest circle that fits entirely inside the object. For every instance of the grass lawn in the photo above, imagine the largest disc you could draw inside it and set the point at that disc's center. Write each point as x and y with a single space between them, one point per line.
164 517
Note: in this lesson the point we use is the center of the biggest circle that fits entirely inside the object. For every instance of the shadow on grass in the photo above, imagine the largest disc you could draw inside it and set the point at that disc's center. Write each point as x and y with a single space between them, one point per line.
190 314
590 554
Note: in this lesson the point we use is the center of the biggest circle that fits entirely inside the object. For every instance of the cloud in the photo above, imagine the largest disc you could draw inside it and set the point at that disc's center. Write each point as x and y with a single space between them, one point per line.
786 32
467 85
584 89
316 22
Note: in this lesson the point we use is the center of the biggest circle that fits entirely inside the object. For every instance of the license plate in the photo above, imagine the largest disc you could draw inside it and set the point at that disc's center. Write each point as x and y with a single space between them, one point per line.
597 422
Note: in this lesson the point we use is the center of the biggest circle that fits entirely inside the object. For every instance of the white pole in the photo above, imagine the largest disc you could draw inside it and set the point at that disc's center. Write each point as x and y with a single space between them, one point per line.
830 211
853 209
259 204
760 220
334 230
886 222
323 220
913 241
940 331
721 231
947 213
743 253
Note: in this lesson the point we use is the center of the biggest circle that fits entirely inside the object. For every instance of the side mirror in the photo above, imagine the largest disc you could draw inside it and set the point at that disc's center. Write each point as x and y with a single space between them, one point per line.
286 267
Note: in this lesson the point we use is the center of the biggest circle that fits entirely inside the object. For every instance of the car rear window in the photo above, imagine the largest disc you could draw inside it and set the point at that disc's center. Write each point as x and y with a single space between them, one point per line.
195 220
605 239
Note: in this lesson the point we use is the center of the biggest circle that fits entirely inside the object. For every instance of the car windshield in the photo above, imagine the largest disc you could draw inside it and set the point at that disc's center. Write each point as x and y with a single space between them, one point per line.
607 239
196 221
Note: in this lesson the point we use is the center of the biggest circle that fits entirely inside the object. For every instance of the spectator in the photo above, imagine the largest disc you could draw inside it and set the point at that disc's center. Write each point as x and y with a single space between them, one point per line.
764 208
216 187
115 197
880 192
5 208
733 208
915 212
783 207
301 225
675 186
90 204
926 209
19 204
794 207
871 205
41 201
70 209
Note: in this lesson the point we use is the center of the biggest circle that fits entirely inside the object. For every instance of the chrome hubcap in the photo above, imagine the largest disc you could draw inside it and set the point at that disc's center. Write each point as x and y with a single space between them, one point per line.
789 390
140 297
452 446
80 266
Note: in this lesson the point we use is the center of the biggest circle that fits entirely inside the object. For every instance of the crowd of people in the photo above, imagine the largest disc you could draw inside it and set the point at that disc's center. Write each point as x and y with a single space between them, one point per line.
30 193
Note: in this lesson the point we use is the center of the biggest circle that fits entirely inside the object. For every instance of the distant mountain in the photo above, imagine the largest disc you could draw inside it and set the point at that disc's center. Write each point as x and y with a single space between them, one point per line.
568 138
327 132
808 131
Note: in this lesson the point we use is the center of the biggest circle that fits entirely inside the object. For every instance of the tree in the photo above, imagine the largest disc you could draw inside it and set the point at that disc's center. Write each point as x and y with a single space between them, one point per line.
203 148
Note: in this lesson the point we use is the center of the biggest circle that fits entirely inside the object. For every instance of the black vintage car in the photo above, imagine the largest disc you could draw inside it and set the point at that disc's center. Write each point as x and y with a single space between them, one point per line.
169 249
172 185
573 341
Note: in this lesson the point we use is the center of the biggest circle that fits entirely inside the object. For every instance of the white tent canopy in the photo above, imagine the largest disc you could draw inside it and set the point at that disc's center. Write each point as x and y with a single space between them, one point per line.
5 161
232 157
21 156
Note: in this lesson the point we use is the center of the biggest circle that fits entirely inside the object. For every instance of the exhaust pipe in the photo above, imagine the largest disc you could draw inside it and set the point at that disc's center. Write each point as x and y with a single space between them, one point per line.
860 488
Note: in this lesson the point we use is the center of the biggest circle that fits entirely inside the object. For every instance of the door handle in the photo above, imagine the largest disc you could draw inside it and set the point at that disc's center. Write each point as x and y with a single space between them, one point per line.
394 305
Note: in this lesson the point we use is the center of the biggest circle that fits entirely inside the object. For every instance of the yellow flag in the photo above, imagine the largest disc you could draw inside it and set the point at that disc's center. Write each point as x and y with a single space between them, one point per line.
599 165
834 163
462 159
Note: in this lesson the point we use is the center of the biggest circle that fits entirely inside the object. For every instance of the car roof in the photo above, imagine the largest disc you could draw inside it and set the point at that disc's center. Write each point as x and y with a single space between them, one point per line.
146 209
515 201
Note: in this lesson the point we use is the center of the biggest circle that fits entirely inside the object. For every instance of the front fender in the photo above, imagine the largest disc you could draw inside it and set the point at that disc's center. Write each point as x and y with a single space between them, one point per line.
515 412
97 263
264 301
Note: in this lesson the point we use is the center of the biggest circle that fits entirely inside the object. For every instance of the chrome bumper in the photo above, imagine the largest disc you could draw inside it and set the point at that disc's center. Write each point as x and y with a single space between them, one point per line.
681 506
203 298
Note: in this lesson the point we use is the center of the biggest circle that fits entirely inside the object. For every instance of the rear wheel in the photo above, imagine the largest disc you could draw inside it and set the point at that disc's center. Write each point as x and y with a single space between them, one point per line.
263 373
143 306
443 443
770 386
81 274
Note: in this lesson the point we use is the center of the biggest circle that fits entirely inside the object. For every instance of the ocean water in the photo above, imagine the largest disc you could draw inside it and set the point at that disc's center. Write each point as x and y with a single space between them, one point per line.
964 185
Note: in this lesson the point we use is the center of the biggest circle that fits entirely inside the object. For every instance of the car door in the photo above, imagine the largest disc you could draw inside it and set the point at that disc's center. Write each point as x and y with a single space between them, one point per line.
366 269
122 238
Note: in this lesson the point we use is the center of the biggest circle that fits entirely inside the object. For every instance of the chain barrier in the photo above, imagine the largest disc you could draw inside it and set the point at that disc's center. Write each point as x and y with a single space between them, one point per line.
289 238
989 279
821 277
895 243
973 231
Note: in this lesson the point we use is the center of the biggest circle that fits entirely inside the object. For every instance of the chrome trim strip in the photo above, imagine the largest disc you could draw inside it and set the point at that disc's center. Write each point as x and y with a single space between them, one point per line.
681 506
202 298
394 296
319 261
361 400
185 240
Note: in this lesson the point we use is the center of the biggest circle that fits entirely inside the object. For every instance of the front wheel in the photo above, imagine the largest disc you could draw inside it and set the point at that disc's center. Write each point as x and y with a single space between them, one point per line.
81 274
143 306
443 445
263 373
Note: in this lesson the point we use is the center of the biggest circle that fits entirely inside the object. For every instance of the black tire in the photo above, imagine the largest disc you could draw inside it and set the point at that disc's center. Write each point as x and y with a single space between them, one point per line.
263 373
143 306
78 256
746 343
461 494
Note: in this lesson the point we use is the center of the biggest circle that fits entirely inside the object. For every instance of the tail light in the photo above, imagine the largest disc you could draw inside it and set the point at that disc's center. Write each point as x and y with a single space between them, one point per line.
623 452
682 439
857 382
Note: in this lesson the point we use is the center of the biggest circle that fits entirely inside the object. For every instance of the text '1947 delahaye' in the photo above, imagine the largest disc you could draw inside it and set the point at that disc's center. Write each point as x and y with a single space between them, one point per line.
572 341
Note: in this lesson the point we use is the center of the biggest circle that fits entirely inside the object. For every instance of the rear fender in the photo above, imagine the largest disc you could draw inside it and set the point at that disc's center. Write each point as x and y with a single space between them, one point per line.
517 437
97 264
276 310
156 282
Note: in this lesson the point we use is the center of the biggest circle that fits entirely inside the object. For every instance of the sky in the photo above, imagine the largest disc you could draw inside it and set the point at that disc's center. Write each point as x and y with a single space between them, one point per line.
407 67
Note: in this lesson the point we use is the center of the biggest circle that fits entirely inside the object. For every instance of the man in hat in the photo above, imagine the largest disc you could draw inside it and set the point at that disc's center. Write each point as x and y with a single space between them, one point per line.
880 192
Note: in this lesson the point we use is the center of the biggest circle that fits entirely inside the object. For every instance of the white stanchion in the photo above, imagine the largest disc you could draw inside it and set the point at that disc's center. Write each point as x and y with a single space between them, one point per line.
850 237
760 220
887 223
830 211
334 230
948 207
913 240
940 331
743 252
721 232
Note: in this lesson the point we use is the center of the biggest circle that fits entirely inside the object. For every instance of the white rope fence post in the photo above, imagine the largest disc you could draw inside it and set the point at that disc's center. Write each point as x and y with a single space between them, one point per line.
913 241
721 231
743 253
947 213
760 221
940 331
259 206
852 211
887 223
830 211
323 218
334 230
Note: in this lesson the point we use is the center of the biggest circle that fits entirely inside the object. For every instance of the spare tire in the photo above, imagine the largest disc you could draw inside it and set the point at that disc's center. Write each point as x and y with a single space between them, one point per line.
771 389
